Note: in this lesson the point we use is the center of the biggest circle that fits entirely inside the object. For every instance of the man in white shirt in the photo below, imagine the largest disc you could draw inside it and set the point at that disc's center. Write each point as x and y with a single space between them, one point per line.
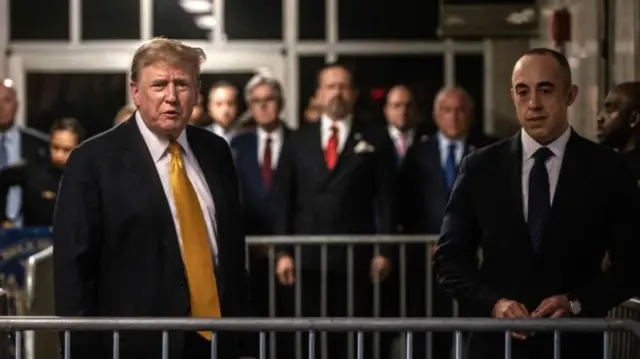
223 109
544 206
148 221
335 177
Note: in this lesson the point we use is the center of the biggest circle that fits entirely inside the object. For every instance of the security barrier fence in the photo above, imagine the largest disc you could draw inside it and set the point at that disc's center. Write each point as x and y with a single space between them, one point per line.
312 326
391 302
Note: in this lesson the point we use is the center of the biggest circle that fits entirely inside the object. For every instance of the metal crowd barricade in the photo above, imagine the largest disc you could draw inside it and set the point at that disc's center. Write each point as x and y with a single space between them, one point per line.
311 326
625 345
323 242
39 292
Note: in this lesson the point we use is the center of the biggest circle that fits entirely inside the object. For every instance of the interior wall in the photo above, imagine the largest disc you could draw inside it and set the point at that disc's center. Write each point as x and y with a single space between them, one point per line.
626 30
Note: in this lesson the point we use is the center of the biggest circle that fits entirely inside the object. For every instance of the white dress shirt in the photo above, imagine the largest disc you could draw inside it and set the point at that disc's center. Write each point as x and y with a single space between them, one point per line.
13 146
344 127
401 139
553 164
162 159
277 139
443 146
218 130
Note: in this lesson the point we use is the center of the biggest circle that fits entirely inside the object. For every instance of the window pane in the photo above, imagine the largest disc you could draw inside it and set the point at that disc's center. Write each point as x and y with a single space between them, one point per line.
308 67
253 19
171 20
470 75
238 79
95 15
311 20
39 19
93 99
377 19
423 74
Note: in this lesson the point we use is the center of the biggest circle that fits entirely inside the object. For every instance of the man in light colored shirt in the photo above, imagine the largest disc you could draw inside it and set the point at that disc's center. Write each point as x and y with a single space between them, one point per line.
223 109
399 112
148 221
336 177
17 145
544 206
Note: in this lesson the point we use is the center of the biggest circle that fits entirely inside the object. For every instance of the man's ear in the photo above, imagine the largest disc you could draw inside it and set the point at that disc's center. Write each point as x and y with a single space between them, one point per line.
634 119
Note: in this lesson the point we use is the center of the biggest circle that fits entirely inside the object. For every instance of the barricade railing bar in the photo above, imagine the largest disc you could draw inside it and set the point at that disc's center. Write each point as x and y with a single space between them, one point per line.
15 323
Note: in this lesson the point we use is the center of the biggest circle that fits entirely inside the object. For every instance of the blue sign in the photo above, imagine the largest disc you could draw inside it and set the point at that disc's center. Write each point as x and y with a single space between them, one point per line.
16 246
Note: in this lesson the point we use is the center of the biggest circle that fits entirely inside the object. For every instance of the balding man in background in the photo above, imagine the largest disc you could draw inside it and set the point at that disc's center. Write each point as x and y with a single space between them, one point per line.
17 145
426 180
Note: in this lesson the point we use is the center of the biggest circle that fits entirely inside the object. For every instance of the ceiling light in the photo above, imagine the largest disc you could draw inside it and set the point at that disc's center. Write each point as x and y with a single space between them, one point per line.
206 22
197 6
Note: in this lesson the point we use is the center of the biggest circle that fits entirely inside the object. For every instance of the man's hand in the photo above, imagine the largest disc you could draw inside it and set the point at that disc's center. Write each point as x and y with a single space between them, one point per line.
285 270
379 269
557 306
510 309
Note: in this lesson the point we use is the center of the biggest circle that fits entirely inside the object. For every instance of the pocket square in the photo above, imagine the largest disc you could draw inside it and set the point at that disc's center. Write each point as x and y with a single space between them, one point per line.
363 147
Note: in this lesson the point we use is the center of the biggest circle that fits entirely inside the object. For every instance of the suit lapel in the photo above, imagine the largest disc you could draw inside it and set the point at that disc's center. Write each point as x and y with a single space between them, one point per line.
315 150
514 188
139 163
347 155
253 166
567 189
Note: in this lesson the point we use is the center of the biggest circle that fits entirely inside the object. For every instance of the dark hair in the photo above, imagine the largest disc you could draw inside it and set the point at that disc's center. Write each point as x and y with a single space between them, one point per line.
222 84
631 90
560 59
68 124
337 65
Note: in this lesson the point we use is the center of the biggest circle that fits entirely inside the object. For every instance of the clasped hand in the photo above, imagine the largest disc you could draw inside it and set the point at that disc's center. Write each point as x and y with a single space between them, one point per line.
556 306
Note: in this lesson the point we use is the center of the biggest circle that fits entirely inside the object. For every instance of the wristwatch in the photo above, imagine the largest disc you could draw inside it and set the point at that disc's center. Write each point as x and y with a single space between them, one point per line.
576 306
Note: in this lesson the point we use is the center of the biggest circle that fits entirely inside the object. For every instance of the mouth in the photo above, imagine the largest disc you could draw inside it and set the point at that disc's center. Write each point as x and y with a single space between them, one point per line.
536 118
172 113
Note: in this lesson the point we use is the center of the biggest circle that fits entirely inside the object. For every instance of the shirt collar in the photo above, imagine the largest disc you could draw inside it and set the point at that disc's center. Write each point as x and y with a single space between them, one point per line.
344 124
444 141
275 135
396 133
157 144
11 134
530 146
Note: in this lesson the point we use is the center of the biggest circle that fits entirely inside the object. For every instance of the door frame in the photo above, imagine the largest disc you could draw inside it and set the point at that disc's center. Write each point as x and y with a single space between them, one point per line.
119 61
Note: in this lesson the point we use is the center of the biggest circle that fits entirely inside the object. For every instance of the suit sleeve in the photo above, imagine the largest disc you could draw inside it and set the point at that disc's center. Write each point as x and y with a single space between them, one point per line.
455 258
386 179
284 192
9 177
618 282
77 228
246 341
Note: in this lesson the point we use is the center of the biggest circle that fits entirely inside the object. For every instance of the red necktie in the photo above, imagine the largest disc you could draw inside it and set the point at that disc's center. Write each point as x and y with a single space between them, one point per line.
331 152
266 163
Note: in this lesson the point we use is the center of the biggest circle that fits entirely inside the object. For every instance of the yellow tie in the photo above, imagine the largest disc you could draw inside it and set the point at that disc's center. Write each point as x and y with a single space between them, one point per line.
196 251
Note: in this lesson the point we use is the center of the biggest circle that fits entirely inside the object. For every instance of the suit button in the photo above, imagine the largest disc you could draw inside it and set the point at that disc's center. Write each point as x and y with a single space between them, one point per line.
182 283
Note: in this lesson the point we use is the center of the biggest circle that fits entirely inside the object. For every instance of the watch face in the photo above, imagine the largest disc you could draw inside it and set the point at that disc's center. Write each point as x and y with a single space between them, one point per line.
576 308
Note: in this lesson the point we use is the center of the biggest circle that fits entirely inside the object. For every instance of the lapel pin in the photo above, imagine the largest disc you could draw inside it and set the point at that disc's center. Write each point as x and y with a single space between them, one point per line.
424 138
357 136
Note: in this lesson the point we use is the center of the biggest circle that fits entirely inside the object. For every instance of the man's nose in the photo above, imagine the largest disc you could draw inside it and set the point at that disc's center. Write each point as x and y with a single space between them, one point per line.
170 94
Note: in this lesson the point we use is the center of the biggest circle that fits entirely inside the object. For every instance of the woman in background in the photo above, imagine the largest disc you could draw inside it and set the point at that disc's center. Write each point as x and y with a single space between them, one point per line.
39 181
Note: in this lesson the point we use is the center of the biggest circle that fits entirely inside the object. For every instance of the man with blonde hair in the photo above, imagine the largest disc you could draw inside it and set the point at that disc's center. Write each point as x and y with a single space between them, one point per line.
148 220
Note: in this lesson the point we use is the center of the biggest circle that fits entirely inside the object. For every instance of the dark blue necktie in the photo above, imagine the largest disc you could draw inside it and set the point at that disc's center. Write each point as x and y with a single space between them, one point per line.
4 158
451 166
539 197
